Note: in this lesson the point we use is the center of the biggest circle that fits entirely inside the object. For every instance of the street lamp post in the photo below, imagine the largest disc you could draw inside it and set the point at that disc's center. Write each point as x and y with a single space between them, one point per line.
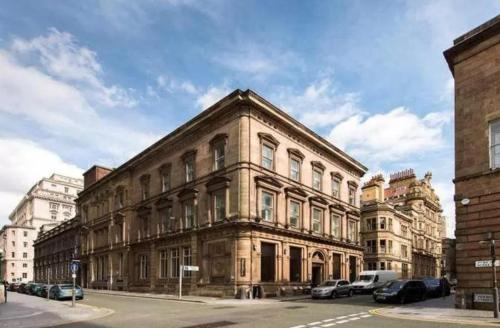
492 243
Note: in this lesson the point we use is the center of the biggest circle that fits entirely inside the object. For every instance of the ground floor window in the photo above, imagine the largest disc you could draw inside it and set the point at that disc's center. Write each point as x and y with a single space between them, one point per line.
382 265
163 264
371 266
267 262
143 267
186 260
174 263
295 264
404 270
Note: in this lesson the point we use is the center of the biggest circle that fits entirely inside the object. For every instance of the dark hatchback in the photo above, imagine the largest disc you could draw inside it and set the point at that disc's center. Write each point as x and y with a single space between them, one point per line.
437 287
401 291
22 289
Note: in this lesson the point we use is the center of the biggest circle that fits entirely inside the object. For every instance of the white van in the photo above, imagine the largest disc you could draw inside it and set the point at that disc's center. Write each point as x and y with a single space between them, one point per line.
368 281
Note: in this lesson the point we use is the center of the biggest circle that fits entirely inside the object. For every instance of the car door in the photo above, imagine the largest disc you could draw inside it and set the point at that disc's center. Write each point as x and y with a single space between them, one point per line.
345 287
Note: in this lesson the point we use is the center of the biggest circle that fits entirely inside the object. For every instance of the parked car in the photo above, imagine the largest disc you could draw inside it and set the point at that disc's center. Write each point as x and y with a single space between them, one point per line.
33 288
22 289
368 281
39 290
437 287
13 287
64 291
401 291
332 288
44 290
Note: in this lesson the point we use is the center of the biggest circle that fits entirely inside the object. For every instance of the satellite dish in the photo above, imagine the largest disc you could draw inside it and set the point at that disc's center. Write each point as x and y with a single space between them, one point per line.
465 201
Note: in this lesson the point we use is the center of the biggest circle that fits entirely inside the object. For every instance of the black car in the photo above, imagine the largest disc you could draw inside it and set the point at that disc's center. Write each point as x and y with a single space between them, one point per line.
22 289
13 287
401 291
437 287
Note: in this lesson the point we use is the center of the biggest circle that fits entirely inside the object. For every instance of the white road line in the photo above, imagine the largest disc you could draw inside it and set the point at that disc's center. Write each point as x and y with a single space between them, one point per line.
299 326
329 324
360 313
352 315
328 320
355 318
314 323
342 317
343 321
366 316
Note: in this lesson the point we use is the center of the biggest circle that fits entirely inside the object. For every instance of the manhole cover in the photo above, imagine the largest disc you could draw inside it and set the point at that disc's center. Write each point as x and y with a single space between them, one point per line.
215 324
294 307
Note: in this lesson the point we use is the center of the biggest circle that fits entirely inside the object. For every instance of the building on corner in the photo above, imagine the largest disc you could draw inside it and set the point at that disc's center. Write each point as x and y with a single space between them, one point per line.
243 191
474 60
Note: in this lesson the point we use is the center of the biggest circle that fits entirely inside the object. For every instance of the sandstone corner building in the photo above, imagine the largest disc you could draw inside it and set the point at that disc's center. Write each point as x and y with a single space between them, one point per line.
250 195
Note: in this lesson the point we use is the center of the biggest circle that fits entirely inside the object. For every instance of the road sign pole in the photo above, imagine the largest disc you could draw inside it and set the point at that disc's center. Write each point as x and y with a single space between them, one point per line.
181 271
495 287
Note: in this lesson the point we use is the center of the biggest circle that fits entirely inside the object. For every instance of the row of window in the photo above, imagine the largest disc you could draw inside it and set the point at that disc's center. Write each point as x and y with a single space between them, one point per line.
384 246
495 144
25 233
386 265
25 243
25 255
383 224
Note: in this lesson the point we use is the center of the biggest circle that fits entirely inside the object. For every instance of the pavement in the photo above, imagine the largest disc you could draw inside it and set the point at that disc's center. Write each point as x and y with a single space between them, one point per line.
25 311
439 310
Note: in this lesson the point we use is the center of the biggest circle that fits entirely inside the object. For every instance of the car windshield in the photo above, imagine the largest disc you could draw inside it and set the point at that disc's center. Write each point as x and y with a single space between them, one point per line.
366 277
329 283
394 285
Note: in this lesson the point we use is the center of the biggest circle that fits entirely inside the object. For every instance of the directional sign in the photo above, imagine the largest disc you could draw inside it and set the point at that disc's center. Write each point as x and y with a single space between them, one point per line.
74 267
191 268
483 298
486 264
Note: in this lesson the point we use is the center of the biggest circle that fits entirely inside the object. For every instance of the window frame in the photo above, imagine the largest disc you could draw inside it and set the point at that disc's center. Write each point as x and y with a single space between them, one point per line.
163 264
299 214
219 214
339 227
263 207
296 172
494 128
321 211
319 171
272 148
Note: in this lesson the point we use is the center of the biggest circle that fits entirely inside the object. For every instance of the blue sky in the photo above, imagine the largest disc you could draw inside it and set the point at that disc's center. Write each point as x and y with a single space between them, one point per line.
85 82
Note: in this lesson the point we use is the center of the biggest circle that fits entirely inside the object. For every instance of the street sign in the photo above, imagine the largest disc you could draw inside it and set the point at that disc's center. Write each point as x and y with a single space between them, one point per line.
74 267
191 268
486 264
483 298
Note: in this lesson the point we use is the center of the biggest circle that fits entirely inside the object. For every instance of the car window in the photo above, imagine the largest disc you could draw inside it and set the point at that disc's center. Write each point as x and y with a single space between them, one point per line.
376 278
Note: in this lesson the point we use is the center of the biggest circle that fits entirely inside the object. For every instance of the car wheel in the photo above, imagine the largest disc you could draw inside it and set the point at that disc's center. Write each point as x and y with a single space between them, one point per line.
402 299
350 293
424 297
334 294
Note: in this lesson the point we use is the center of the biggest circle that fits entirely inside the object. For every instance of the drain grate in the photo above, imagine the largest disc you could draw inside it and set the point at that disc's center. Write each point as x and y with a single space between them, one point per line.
294 307
215 324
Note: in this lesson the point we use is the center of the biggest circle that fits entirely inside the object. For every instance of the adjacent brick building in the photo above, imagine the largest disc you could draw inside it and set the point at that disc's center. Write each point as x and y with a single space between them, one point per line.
402 225
474 61
243 191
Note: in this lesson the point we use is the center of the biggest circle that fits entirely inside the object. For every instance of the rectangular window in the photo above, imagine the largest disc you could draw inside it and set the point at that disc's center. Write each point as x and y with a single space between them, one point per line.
25 255
120 265
267 262
382 265
189 215
219 156
371 246
352 195
295 264
317 177
371 224
389 224
189 167
294 214
495 144
13 243
404 230
143 267
336 188
165 181
25 275
352 233
335 225
267 206
186 260
389 246
372 266
219 205
404 251
383 248
267 157
145 190
25 265
174 263
317 219
389 265
66 189
13 254
294 169
382 223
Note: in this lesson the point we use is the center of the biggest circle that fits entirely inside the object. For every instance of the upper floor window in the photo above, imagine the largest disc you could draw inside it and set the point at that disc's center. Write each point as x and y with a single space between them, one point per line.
219 204
317 175
267 157
143 267
294 169
335 225
495 144
371 246
189 158
119 199
382 223
371 224
352 195
145 186
219 155
189 214
66 189
404 230
165 180
336 188
317 215
294 213
352 231
25 233
267 206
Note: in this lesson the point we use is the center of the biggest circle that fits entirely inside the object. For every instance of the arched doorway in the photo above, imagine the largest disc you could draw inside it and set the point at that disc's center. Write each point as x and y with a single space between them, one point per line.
318 268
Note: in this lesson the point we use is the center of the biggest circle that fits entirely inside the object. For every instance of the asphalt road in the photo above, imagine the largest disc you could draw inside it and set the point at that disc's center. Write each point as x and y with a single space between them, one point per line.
345 312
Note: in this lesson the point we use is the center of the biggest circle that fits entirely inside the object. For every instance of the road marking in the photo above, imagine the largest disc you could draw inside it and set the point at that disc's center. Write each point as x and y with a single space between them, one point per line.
366 316
353 315
329 324
338 320
355 318
314 323
23 316
343 321
328 320
299 326
342 317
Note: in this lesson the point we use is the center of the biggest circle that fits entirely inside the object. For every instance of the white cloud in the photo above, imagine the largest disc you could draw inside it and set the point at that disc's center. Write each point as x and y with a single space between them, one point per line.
319 104
391 136
61 57
172 85
211 96
24 163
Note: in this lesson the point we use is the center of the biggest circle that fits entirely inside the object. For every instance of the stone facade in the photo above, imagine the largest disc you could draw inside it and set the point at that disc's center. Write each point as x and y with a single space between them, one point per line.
243 191
449 264
474 63
402 225
54 251
17 262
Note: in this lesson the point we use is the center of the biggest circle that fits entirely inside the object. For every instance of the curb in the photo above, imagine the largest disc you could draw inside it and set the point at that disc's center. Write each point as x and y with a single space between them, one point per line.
148 296
378 312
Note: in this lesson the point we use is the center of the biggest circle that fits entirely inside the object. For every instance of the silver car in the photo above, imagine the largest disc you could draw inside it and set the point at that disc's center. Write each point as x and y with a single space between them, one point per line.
333 289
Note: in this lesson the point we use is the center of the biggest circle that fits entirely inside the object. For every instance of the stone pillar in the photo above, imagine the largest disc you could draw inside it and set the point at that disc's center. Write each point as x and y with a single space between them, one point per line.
244 182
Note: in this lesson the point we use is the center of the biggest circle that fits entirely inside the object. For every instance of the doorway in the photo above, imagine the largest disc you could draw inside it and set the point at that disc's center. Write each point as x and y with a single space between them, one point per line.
336 265
317 272
353 268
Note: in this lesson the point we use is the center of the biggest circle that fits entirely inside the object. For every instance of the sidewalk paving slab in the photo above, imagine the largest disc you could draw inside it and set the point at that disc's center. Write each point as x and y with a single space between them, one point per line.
25 311
439 310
